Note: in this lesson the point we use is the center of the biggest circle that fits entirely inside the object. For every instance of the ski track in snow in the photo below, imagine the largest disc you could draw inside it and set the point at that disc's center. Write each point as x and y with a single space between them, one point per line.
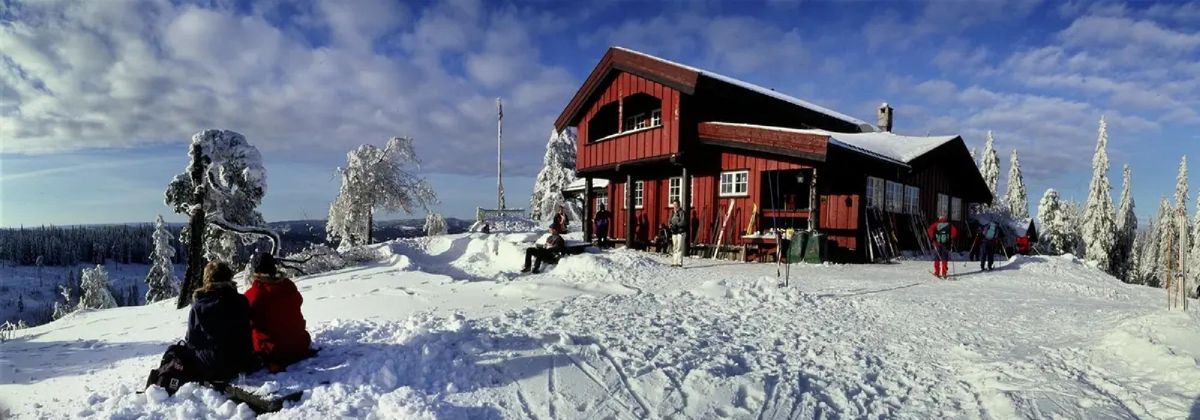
444 327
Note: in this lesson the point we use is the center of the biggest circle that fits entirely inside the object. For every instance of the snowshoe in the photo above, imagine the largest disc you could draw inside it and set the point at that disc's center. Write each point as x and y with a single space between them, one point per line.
261 404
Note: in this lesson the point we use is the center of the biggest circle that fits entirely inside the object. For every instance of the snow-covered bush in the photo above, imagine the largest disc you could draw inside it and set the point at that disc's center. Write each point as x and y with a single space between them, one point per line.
435 224
558 171
1099 226
319 258
9 328
377 179
234 182
95 286
1015 196
161 282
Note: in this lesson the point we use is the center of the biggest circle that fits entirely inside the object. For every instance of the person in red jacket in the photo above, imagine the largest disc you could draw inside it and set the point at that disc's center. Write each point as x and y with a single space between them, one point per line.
941 232
277 325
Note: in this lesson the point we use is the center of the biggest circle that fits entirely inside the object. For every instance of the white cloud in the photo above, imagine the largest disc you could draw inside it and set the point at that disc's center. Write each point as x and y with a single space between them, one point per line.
82 75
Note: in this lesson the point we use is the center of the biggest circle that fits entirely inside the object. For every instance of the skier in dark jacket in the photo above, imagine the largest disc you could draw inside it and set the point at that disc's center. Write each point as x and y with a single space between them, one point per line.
219 326
678 225
989 237
942 233
280 336
554 249
603 218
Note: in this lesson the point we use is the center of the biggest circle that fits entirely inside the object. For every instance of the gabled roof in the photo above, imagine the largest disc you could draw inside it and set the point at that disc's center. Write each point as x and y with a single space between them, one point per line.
680 77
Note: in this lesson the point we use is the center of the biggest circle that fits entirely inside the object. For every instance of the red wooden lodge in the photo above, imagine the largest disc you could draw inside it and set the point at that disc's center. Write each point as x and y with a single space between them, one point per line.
659 130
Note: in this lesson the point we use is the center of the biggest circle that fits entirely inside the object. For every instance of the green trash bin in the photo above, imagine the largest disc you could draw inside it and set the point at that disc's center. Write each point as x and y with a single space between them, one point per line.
807 247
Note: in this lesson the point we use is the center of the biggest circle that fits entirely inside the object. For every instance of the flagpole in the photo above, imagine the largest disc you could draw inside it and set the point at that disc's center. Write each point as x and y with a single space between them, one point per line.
499 174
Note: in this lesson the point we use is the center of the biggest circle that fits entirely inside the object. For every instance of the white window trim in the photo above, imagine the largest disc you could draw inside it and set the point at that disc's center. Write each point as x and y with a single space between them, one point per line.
639 191
734 183
873 191
691 199
894 204
912 199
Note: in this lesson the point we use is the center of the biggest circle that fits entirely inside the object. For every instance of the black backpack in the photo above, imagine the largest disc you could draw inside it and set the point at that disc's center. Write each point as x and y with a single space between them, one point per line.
179 366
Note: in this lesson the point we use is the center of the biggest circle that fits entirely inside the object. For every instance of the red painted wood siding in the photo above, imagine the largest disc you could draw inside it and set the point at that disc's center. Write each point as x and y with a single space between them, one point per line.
647 143
839 215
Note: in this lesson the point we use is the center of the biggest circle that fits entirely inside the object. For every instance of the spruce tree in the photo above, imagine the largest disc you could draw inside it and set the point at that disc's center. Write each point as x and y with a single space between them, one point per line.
1099 226
1164 227
1015 196
95 285
990 166
1124 256
161 282
558 171
1057 232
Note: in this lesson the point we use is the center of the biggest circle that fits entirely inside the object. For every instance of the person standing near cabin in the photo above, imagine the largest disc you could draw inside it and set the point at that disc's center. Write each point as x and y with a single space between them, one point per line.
942 233
990 235
560 219
603 217
678 226
280 334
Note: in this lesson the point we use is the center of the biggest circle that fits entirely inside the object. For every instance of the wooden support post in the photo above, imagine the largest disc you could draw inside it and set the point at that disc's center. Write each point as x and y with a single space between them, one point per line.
629 216
685 201
812 202
587 209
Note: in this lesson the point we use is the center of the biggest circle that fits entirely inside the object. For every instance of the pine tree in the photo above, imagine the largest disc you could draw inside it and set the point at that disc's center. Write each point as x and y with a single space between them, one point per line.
1164 229
377 179
1125 256
558 171
1055 218
990 166
161 282
95 289
1015 196
435 224
1099 226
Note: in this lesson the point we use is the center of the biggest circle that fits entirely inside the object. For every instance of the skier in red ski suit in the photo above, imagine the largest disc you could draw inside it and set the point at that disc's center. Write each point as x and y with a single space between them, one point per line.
941 233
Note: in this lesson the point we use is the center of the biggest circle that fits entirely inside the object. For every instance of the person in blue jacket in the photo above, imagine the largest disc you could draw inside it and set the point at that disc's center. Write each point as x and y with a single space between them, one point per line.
219 326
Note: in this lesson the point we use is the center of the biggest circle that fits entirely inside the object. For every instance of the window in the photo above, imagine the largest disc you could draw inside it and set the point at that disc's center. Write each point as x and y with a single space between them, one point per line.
656 118
602 200
875 192
674 190
955 208
735 183
912 199
895 197
637 194
943 205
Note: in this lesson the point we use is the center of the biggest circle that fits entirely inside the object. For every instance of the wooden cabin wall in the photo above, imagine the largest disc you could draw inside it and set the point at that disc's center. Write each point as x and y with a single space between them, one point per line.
643 144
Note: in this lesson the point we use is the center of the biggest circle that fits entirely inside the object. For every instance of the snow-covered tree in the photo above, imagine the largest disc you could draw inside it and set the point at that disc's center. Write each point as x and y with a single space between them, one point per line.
558 170
1015 196
1161 238
435 224
990 166
1124 257
95 289
233 184
1055 220
1099 226
161 282
1074 214
377 179
1181 198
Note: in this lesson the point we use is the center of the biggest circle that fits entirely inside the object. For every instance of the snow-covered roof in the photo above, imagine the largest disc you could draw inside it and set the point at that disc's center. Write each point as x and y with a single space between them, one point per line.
759 89
578 183
884 145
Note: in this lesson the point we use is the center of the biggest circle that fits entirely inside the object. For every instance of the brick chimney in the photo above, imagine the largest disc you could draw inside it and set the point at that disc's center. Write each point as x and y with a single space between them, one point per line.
885 117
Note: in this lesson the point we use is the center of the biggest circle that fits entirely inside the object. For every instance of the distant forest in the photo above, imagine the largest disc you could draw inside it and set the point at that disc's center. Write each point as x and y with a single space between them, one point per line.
132 243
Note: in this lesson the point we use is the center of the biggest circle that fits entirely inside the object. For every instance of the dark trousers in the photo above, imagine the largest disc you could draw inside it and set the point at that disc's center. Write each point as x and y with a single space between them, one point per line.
538 256
602 235
986 254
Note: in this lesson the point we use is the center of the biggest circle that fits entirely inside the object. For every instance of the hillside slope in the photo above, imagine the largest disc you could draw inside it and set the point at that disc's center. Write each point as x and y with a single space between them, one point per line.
445 327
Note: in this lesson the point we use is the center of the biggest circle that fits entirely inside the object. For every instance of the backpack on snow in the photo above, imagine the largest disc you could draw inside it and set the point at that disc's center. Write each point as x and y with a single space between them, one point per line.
178 367
989 232
942 234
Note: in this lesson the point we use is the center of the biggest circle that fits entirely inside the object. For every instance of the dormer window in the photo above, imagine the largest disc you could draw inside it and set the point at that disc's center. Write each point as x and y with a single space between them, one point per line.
656 118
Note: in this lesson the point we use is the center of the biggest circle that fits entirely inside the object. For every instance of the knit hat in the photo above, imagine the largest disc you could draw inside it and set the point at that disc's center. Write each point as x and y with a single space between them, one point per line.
217 272
263 263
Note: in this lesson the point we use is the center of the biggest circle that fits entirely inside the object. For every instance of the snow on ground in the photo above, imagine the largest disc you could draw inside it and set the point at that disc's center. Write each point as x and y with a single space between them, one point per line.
444 327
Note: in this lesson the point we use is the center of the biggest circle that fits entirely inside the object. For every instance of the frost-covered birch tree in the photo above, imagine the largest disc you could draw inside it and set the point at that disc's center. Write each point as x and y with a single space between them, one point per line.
1055 220
1099 226
990 166
1015 196
373 180
558 171
1124 256
161 282
435 224
95 289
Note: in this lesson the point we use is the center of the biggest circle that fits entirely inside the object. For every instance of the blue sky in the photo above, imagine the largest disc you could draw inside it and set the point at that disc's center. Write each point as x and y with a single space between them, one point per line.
98 99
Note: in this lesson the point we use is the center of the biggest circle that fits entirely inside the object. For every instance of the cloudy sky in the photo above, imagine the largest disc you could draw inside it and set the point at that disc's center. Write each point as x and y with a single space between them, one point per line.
98 99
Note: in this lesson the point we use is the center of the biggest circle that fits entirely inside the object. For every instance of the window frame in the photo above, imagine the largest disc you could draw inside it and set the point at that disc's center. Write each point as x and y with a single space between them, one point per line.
895 202
656 118
639 190
955 209
733 183
679 187
943 206
912 199
875 192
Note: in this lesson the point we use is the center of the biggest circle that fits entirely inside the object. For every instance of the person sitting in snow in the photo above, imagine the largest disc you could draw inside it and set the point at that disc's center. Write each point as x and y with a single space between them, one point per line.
554 249
989 236
941 232
560 219
603 217
219 327
278 326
